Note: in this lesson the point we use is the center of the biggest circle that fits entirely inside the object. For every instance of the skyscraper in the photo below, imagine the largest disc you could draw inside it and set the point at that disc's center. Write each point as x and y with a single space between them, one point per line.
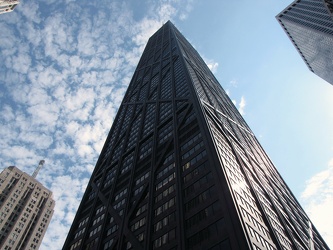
309 25
26 209
181 169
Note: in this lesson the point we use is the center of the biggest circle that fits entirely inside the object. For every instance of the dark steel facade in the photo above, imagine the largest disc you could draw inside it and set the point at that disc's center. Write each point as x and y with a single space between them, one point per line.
309 25
181 169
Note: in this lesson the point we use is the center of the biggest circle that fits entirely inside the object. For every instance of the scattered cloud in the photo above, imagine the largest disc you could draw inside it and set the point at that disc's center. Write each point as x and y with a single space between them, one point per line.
241 106
317 198
185 11
212 65
233 83
61 88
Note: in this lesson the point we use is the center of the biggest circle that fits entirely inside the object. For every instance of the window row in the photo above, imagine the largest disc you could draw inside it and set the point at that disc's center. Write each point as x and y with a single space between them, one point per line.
138 190
260 239
96 230
142 178
199 183
165 170
248 207
109 177
100 209
165 133
165 193
119 204
138 224
199 199
146 149
165 221
194 160
91 244
142 209
202 215
76 244
98 219
108 244
205 234
165 181
164 239
165 110
190 142
195 172
120 194
193 150
83 222
79 233
112 229
165 206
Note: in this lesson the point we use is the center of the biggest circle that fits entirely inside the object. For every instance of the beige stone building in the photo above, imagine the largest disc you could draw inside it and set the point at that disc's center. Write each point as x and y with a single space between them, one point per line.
26 208
8 5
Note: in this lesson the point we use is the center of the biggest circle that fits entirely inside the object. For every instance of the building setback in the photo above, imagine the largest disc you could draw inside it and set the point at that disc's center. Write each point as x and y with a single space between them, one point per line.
309 25
181 169
26 208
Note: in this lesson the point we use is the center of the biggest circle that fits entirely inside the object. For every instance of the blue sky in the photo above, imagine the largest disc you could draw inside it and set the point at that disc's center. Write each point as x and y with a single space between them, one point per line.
66 64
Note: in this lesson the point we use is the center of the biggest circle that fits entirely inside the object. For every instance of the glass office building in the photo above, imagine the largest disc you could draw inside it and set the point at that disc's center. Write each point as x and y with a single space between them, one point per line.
181 169
309 25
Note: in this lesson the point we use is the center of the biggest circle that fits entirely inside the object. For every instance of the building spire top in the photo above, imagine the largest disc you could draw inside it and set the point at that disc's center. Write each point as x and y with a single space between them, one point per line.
40 165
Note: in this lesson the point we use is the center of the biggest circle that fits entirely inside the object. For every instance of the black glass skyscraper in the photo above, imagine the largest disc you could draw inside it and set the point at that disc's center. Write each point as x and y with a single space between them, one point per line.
181 169
309 25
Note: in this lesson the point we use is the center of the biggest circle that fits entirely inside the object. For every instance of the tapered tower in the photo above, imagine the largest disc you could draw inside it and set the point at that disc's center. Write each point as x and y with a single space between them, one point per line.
181 169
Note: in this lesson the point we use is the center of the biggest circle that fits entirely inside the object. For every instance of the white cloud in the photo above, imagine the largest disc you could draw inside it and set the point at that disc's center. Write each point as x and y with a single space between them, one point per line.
242 106
21 63
233 83
166 11
62 148
186 11
212 65
45 115
31 13
8 113
37 140
67 192
317 198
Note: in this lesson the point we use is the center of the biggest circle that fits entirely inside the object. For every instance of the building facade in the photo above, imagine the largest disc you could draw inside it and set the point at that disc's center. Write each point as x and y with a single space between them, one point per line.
26 208
309 25
181 169
8 5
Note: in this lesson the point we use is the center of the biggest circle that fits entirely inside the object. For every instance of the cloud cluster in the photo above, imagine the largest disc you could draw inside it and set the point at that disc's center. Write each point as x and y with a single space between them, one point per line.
212 65
64 70
241 105
318 202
